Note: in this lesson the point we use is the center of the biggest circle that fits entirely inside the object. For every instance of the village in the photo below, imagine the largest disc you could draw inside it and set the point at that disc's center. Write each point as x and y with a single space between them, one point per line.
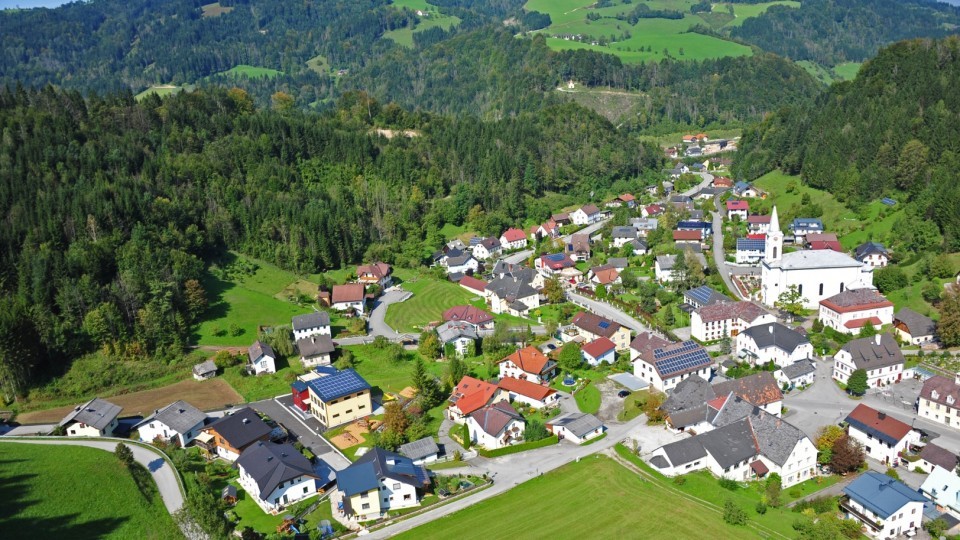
678 323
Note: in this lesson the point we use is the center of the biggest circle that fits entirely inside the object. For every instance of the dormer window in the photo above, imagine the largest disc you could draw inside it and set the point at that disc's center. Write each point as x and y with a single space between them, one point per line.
950 400
935 394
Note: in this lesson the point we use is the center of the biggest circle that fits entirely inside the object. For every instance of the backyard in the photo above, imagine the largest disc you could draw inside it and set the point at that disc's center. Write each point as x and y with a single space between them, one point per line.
431 297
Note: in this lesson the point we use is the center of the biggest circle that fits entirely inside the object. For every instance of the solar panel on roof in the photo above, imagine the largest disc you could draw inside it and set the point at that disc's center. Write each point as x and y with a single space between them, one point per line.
603 324
556 257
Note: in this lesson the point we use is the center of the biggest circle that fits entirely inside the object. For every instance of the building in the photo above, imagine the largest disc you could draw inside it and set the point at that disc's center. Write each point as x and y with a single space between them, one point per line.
687 237
229 436
696 405
726 320
639 246
823 241
381 481
760 390
705 296
879 356
801 227
547 229
623 235
940 400
579 247
797 374
474 285
276 475
469 395
932 456
460 262
773 342
339 398
535 395
663 268
469 314
815 274
849 311
311 324
460 335
179 422
513 238
528 364
738 209
598 351
577 428
316 350
261 358
942 487
585 215
750 251
496 426
758 224
872 254
703 227
204 370
378 273
604 275
349 297
882 436
95 418
561 219
591 327
745 190
558 265
914 328
512 295
421 451
650 211
663 364
886 507
487 248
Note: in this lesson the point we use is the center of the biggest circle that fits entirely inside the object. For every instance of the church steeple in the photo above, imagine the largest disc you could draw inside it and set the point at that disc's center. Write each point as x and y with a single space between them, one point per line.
774 222
773 247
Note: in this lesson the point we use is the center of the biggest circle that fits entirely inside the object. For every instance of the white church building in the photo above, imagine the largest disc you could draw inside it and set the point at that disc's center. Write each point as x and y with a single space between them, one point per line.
817 274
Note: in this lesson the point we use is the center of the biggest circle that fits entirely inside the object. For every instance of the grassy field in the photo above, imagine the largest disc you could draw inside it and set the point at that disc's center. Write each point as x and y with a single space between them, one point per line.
432 18
596 498
841 72
380 371
253 72
617 106
847 71
431 297
588 399
76 492
743 12
215 10
159 89
671 139
836 216
319 63
264 386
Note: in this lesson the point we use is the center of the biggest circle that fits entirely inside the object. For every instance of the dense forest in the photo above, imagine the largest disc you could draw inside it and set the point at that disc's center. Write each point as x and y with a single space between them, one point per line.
893 131
114 208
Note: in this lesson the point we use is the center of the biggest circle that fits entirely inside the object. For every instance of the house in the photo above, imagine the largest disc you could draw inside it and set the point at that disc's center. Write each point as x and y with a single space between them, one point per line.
511 295
547 229
604 275
487 248
620 263
726 320
528 364
421 451
750 251
760 390
940 400
378 273
703 227
576 427
913 328
882 436
823 241
773 342
747 191
496 426
737 208
474 285
229 436
879 355
644 225
535 395
469 395
592 327
179 422
276 475
204 370
696 215
561 219
460 335
758 224
555 265
381 481
850 310
663 364
872 254
513 238
932 456
663 268
886 507
693 151
473 315
579 247
311 324
627 199
585 215
722 182
349 297
261 358
942 487
316 350
339 398
95 418
797 374
598 351
687 237
801 227
639 246
704 295
460 262
623 235
651 211
696 405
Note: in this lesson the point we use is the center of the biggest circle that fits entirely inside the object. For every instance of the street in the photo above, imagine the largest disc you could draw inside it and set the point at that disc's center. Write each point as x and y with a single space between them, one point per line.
306 430
608 311
376 323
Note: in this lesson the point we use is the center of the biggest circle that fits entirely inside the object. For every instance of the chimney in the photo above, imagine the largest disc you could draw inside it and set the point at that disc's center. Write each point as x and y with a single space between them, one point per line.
881 415
246 420
770 328
876 339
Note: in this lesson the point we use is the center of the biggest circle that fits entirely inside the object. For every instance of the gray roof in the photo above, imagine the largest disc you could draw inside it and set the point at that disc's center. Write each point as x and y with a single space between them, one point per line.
667 262
260 349
869 248
729 444
640 243
696 214
179 416
775 335
240 428
938 455
311 320
775 438
684 451
204 367
315 345
459 260
579 424
692 392
689 417
618 262
96 413
452 330
734 409
510 288
659 462
868 354
624 232
365 474
271 464
420 448
798 369
917 324
522 273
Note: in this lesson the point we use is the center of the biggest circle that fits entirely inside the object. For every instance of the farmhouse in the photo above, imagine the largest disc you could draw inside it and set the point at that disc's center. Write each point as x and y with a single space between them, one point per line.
486 248
339 398
528 364
694 404
940 400
179 422
95 418
576 427
276 475
726 320
510 295
381 481
872 254
534 395
850 310
760 389
460 335
311 324
378 273
421 451
591 327
496 426
879 356
598 351
664 364
773 342
348 297
913 328
261 358
315 350
882 437
886 507
585 215
513 238
704 295
229 436
473 315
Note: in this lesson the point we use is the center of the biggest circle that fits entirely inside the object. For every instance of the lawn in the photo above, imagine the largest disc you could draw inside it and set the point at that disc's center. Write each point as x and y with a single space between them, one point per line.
431 297
847 71
431 18
595 498
319 64
588 399
836 216
253 72
743 12
160 90
255 388
380 371
633 405
76 492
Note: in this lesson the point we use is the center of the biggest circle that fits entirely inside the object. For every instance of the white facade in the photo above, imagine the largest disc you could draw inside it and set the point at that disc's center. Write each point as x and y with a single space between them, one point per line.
500 305
313 331
516 244
285 494
843 367
740 213
356 306
480 251
492 442
579 217
549 401
227 454
803 380
461 345
78 429
649 373
879 450
566 434
264 364
772 353
838 320
732 327
469 266
908 518
150 432
608 357
663 275
749 256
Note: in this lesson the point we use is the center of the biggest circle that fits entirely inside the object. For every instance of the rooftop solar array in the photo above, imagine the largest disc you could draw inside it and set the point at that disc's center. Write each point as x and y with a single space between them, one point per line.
338 385
686 347
701 294
748 244
682 362
604 324
555 257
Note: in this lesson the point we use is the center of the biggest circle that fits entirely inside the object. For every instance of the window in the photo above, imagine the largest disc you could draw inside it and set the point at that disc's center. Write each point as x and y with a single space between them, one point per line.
365 495
365 506
841 287
800 289
336 415
406 497
305 489
348 411
821 289
396 486
362 407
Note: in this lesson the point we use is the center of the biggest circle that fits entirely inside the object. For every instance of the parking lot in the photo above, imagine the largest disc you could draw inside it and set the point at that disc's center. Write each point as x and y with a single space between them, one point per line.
305 430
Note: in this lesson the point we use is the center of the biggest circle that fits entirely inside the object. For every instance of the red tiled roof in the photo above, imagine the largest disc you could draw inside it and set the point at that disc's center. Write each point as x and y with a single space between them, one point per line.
472 283
758 219
514 235
722 181
759 468
686 235
598 347
717 402
531 390
468 314
879 421
626 197
852 300
606 275
470 394
351 292
821 244
528 359
860 323
654 209
738 205
758 236
747 311
378 270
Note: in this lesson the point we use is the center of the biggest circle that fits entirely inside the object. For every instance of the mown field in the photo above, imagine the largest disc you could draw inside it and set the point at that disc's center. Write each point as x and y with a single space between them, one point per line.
432 19
252 71
841 72
431 297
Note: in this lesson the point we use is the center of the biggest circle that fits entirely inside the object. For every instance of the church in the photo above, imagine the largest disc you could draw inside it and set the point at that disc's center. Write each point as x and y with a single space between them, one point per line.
818 274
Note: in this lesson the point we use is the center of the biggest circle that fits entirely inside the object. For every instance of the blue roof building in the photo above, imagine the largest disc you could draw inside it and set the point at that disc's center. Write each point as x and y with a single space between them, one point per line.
804 226
886 506
400 481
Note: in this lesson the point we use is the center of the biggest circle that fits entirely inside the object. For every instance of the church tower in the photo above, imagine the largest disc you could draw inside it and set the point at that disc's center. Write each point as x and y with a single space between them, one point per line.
773 247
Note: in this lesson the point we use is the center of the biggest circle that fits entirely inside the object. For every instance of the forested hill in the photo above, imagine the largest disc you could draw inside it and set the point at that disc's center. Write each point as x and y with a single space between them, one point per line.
113 208
893 131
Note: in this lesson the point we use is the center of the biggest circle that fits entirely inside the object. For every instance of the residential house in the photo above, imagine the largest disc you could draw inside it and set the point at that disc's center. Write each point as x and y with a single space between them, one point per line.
758 224
939 400
561 219
679 170
460 262
704 295
204 370
585 215
886 507
558 265
747 191
179 422
914 328
623 235
579 247
797 375
547 229
879 355
801 227
95 418
639 246
695 404
513 238
605 275
460 335
750 251
276 475
773 342
311 324
592 327
726 320
421 451
663 268
823 241
650 211
722 182
496 426
687 237
577 428
316 350
705 228
882 436
528 364
381 481
339 398
473 315
663 364
942 488
474 285
760 390
261 358
349 297
535 395
469 395
598 351
378 273
696 215
620 263
487 248
737 208
627 199
693 151
873 254
644 225
933 456
229 436
511 295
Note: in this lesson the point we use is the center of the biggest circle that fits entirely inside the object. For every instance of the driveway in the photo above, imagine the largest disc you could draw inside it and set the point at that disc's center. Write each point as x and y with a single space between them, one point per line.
376 323
606 310
306 430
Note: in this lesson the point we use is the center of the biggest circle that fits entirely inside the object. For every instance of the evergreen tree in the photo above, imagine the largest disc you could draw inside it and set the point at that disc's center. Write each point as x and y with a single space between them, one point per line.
857 383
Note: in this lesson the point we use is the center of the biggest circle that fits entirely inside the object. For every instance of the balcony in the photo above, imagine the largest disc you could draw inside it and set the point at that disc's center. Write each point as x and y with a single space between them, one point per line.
861 517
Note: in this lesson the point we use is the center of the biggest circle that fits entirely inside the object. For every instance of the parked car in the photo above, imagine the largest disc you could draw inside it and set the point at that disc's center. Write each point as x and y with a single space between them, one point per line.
623 393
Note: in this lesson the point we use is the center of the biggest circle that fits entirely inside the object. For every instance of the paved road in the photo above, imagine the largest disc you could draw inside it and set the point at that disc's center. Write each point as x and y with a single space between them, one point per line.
589 229
376 323
518 257
608 311
706 182
306 430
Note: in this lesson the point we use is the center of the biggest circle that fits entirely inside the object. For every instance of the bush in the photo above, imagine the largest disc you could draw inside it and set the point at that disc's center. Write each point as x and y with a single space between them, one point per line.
819 505
761 508
733 514
535 431
729 484
680 480
892 473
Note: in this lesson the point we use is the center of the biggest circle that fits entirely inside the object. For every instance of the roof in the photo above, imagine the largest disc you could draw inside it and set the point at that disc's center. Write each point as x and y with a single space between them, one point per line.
315 345
944 388
874 352
738 205
917 324
179 416
351 292
240 428
311 320
807 223
580 424
759 389
605 274
260 349
820 237
852 300
96 413
514 235
881 494
492 419
579 243
459 259
470 394
686 235
798 369
860 323
624 232
705 296
561 216
378 270
590 209
869 248
510 288
938 455
557 261
695 225
626 197
653 209
598 347
469 314
776 335
452 330
338 385
473 283
747 311
420 448
759 468
529 359
618 262
879 424
775 437
943 487
684 451
666 262
816 258
490 243
758 219
526 388
749 244
206 366
691 393
271 464
730 444
595 324
365 473
639 244
646 342
679 358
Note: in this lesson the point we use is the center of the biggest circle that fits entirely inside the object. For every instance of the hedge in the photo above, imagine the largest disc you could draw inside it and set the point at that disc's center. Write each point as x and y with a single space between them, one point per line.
513 449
